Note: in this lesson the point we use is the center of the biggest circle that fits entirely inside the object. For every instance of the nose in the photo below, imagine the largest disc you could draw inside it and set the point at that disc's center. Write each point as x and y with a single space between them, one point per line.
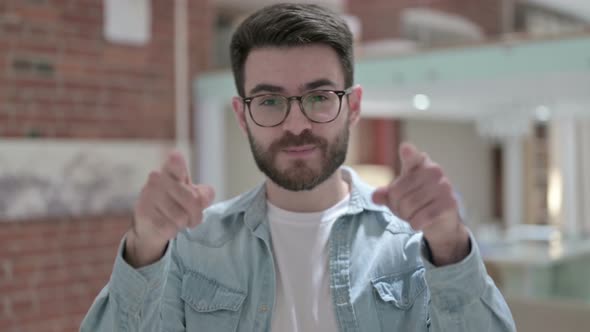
296 122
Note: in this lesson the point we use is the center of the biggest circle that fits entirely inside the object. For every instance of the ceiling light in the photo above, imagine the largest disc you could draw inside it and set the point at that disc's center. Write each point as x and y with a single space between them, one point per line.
421 102
542 113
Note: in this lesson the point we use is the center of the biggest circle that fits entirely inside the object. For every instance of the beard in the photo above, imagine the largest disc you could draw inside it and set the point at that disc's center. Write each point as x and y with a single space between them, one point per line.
299 176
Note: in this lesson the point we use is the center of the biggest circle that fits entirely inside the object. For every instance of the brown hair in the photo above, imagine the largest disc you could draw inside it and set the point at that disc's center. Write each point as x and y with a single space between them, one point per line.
291 25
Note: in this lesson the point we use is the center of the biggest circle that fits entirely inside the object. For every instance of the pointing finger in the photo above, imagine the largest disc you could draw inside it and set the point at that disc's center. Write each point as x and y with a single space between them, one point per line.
410 157
176 167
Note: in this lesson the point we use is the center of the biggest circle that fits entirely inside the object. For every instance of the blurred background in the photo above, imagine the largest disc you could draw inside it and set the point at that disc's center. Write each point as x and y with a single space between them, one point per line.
94 93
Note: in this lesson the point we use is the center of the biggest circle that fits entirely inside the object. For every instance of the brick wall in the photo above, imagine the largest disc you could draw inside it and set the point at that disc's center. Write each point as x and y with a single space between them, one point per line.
50 271
59 78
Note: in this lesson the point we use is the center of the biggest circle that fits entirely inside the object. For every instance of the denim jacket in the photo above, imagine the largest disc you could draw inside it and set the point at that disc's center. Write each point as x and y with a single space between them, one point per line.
220 277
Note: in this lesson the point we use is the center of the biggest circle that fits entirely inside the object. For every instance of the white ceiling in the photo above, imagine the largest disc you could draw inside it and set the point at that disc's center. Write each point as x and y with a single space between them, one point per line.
500 108
563 93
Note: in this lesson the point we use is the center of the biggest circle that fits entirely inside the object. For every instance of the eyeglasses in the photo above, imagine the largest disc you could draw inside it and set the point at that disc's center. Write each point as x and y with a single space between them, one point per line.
319 106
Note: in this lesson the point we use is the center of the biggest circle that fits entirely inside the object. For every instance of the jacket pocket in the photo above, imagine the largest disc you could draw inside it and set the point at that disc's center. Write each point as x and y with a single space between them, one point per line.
402 301
210 306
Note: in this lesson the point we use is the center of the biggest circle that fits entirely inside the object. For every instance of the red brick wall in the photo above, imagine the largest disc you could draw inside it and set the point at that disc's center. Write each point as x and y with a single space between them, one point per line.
59 77
50 271
380 18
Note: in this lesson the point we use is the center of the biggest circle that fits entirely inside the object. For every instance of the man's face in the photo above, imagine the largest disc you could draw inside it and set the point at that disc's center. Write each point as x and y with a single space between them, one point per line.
297 154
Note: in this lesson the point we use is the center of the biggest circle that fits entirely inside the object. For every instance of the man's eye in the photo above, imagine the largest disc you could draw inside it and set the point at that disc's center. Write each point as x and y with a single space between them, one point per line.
317 98
270 102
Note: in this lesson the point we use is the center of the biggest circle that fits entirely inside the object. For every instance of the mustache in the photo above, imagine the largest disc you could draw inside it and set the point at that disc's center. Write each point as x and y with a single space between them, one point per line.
290 140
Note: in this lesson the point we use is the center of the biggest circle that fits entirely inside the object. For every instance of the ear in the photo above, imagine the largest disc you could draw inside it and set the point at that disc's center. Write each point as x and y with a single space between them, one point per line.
239 112
354 105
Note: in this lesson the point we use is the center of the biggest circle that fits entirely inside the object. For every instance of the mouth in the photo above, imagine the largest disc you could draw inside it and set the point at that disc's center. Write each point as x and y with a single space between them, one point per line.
300 151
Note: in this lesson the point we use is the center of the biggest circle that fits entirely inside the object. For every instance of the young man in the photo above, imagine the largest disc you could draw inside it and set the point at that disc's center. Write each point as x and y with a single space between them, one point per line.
313 248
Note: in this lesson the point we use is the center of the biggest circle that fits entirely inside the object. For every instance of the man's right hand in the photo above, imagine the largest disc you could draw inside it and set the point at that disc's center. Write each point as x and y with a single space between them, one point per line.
168 203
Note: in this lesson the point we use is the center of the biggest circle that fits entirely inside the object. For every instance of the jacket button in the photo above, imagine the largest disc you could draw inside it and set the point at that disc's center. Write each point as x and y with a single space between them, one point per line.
263 308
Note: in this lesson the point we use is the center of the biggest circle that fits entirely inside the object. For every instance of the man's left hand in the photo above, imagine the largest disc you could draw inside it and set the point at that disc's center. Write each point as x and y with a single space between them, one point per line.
423 196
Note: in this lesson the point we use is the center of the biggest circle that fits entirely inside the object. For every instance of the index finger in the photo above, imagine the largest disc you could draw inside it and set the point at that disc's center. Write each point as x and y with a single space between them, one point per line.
176 167
410 157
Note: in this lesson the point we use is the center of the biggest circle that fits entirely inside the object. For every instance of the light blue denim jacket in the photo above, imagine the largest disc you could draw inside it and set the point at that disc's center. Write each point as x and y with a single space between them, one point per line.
220 277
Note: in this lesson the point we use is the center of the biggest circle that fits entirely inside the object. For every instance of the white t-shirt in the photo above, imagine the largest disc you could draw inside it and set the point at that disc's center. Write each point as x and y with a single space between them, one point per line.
300 244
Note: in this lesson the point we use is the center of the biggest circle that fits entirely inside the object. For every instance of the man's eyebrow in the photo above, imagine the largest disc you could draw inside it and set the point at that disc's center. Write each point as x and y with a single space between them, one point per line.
264 87
322 82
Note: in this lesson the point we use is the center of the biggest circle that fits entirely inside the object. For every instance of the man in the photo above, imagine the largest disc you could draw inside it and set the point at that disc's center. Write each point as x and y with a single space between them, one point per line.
313 248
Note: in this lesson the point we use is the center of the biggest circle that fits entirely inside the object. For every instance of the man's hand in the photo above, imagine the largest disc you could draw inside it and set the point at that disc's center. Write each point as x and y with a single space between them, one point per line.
422 195
168 203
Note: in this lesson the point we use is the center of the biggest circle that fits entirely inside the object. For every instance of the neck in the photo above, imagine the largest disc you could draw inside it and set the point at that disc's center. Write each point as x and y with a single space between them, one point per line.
320 198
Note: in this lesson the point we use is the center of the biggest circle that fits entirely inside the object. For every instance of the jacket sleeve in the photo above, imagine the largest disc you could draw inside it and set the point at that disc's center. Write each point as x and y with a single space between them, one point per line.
135 299
464 297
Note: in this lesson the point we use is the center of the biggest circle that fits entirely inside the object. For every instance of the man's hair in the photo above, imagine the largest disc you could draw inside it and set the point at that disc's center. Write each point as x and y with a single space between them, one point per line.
291 25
